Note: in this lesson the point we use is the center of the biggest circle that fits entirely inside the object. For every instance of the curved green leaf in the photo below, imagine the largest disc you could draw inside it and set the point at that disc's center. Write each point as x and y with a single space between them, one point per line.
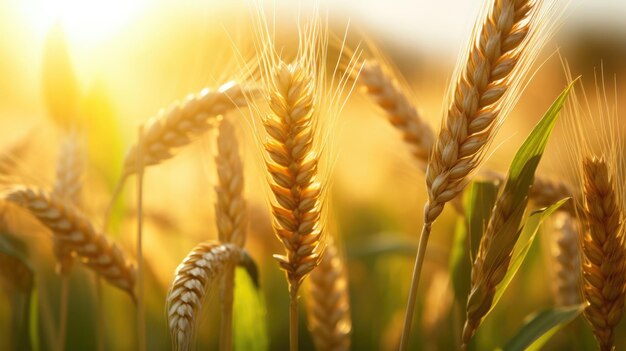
249 319
539 327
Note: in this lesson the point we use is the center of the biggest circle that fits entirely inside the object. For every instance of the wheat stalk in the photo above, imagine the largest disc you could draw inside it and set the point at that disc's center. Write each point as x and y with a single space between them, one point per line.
328 303
566 259
604 251
484 92
202 269
231 217
94 249
182 123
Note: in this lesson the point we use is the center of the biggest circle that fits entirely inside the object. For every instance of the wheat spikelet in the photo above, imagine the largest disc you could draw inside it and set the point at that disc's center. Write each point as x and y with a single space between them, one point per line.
68 186
604 251
566 259
182 122
387 93
328 303
200 270
94 249
230 209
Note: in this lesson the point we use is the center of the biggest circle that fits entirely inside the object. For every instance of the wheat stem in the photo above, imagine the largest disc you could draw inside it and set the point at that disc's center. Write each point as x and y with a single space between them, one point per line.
417 269
293 317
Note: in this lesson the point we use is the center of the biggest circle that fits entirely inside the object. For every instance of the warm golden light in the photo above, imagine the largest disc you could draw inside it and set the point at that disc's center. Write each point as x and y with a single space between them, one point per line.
84 21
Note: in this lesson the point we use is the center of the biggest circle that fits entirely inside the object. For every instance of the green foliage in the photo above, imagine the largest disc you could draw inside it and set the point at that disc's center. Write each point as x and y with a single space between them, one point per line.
249 318
540 326
478 202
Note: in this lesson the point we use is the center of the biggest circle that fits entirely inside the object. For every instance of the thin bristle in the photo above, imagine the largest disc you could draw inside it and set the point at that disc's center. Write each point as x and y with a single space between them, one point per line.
604 252
94 249
200 271
183 122
230 209
68 186
328 305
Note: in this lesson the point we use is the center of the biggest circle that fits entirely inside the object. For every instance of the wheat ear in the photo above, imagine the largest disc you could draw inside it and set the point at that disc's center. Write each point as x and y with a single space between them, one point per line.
328 303
604 251
292 165
231 216
182 123
201 270
493 258
483 93
94 249
566 260
387 93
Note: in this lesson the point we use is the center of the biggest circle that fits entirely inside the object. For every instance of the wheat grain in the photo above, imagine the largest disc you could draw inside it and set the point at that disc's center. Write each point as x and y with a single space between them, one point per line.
604 251
67 186
328 304
201 270
182 123
94 249
546 192
566 259
484 91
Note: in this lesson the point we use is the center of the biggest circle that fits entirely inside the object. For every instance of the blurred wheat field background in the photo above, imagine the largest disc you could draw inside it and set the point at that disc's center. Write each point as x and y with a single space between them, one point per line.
79 78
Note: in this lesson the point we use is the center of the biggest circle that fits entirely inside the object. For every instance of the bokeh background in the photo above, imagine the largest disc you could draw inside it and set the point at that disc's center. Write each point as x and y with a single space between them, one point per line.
118 62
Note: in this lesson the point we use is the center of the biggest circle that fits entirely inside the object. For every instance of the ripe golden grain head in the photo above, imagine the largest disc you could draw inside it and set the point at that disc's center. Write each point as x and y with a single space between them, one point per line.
297 115
596 156
68 224
199 272
488 83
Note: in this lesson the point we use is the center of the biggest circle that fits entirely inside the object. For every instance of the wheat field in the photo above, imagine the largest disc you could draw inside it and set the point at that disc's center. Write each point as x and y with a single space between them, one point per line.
256 175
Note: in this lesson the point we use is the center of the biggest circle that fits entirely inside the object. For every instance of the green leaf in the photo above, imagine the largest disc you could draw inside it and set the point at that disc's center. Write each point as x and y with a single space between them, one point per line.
478 202
250 266
524 242
249 319
539 327
522 170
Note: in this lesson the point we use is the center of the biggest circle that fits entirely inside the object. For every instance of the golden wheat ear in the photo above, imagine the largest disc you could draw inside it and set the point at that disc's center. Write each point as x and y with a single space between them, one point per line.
565 256
604 251
182 123
76 232
199 272
328 303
